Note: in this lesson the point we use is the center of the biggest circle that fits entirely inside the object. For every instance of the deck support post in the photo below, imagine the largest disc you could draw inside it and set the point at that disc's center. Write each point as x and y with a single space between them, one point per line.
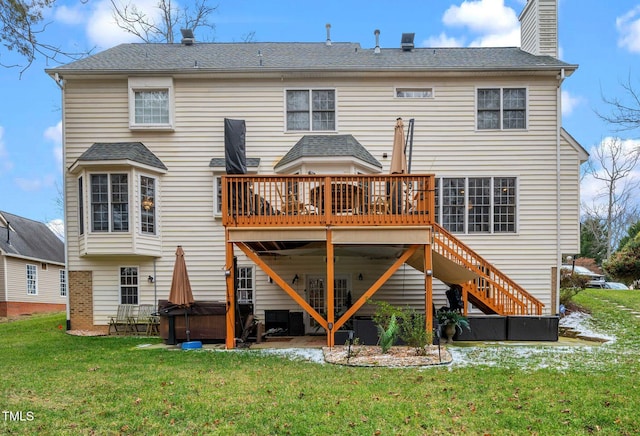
230 341
428 288
330 290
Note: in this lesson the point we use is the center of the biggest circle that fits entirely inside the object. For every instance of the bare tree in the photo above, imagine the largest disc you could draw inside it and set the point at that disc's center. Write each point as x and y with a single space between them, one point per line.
21 26
625 110
615 208
169 20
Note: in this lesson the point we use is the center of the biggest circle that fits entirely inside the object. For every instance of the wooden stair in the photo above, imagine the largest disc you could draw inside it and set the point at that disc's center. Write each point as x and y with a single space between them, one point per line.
492 292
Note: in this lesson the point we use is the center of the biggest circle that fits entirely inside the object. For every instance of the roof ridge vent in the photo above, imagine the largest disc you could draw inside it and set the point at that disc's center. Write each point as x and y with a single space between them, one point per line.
407 41
187 36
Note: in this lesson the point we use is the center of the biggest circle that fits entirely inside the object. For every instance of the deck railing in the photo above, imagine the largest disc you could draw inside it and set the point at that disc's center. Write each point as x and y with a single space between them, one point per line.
314 200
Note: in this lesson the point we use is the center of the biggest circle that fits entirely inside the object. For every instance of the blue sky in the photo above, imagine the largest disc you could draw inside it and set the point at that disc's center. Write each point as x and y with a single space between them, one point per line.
602 37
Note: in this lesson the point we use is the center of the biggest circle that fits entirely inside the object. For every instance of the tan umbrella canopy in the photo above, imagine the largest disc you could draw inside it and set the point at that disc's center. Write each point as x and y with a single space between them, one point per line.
180 293
398 156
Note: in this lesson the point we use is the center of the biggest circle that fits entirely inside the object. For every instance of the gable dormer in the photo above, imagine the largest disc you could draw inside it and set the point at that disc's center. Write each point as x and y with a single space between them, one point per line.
539 28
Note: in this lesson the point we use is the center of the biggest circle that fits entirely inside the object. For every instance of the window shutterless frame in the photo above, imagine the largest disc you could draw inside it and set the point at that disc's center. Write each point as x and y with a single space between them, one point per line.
310 110
151 103
502 108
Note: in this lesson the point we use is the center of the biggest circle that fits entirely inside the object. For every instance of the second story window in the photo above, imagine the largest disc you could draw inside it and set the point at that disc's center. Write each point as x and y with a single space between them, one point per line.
150 103
109 203
502 108
311 109
147 205
477 204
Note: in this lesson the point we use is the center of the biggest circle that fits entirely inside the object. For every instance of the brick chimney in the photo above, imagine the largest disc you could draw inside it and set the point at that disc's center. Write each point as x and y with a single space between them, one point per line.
539 27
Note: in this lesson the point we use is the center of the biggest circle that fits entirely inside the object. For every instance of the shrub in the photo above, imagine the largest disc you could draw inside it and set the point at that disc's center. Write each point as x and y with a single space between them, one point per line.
413 331
570 285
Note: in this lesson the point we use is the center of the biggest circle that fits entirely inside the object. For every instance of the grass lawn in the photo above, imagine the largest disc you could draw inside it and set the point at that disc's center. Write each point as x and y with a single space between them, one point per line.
61 384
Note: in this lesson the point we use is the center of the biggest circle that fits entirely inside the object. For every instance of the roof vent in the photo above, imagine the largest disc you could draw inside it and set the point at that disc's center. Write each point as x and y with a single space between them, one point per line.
377 34
328 26
187 36
407 41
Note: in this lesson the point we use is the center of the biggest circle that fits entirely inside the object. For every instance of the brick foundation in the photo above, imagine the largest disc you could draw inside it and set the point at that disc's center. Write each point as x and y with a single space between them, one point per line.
81 300
17 308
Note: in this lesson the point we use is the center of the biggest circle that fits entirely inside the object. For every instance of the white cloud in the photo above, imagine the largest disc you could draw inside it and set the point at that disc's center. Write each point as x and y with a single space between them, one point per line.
507 39
482 16
442 40
569 102
57 227
70 15
36 183
54 134
495 24
102 29
5 162
628 27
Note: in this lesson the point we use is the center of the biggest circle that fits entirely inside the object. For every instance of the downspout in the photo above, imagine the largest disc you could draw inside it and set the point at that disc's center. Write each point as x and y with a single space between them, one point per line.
556 303
155 285
60 82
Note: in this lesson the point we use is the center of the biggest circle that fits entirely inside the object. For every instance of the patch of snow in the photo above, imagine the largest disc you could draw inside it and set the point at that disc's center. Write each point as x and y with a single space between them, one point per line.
309 354
581 322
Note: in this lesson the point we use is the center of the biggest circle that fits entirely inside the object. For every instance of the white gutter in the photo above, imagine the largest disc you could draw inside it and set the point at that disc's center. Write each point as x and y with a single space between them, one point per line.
556 303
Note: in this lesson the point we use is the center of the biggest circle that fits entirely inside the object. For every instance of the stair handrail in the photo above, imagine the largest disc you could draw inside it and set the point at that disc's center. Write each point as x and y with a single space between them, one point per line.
457 251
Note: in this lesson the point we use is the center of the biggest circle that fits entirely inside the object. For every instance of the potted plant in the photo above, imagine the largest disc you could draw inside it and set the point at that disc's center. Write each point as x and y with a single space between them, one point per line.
452 321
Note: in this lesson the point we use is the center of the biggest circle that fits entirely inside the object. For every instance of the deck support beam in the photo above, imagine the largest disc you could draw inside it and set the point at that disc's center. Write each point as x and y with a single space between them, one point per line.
230 341
428 288
330 290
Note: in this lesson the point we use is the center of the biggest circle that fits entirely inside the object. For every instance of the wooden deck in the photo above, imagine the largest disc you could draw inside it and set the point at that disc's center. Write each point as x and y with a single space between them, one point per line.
269 211
346 200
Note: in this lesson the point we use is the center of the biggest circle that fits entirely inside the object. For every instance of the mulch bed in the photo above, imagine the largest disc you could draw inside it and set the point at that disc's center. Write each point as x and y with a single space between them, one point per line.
396 357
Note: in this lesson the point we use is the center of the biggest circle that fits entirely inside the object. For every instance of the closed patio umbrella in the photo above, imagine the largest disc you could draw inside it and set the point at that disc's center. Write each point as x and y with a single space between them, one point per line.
398 156
180 293
398 166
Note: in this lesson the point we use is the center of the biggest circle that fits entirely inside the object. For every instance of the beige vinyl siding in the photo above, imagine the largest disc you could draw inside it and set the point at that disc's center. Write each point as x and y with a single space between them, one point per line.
446 143
3 278
48 282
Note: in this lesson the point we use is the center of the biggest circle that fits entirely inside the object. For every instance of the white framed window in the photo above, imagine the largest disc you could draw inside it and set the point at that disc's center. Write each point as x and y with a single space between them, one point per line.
109 202
151 103
311 109
217 195
477 204
246 284
414 92
148 205
63 283
32 279
80 206
129 285
501 108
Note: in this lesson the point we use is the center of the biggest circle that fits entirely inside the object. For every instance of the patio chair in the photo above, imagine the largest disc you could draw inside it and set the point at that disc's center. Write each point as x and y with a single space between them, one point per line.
291 205
121 321
146 319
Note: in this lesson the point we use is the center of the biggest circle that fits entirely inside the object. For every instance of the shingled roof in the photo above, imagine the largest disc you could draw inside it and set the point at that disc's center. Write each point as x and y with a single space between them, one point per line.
287 56
28 238
328 146
133 151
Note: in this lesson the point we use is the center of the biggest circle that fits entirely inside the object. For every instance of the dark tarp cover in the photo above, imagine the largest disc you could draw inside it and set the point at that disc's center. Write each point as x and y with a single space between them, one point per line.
234 146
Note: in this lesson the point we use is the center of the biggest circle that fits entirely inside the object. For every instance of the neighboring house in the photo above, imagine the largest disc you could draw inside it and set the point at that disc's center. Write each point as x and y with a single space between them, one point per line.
32 270
144 148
